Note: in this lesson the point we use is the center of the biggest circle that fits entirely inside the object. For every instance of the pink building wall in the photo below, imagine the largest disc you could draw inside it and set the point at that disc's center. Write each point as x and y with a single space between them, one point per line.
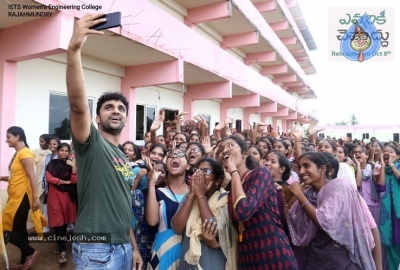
49 36
381 132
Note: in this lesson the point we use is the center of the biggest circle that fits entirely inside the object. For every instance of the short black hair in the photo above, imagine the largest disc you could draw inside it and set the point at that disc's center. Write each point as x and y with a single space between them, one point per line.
55 139
111 96
332 163
136 149
61 145
45 137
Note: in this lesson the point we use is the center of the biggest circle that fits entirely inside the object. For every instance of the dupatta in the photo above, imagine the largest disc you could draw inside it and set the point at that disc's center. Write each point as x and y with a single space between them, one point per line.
390 201
340 215
218 205
60 169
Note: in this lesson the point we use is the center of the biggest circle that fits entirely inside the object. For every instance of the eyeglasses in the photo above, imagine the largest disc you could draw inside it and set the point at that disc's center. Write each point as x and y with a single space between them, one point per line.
221 148
182 149
206 171
194 150
178 155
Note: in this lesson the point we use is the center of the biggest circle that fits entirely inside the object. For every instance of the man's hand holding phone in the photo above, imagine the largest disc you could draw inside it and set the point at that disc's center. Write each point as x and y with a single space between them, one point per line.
82 29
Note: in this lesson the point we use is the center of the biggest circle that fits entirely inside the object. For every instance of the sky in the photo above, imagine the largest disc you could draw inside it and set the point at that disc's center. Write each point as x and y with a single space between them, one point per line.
368 89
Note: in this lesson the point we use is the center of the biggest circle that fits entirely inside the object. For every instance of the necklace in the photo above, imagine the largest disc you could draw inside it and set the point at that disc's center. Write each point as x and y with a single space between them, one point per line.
11 162
170 189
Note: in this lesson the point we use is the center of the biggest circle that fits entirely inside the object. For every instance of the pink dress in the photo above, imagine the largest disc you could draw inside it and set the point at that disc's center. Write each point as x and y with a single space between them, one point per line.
60 208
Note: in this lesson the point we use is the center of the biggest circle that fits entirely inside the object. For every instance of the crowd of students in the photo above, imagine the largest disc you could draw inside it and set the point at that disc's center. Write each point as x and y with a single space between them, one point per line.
228 201
290 202
200 202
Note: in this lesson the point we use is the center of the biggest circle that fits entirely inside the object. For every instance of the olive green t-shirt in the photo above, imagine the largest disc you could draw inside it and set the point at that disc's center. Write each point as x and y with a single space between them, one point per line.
104 200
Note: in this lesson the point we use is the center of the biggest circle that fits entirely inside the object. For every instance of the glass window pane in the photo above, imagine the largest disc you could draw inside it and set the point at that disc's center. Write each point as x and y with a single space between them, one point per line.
150 117
139 122
59 122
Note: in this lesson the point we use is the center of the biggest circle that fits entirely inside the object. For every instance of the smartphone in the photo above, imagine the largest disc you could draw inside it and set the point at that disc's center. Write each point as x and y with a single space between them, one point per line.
113 20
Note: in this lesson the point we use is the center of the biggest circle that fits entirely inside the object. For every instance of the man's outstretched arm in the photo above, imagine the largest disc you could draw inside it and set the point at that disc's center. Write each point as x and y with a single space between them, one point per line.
78 103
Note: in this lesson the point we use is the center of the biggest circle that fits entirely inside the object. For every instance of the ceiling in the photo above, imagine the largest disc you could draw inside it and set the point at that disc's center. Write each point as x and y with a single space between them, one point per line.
111 45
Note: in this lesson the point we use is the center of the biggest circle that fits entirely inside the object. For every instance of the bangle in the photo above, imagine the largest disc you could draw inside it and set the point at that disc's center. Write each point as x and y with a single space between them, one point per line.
304 204
152 185
201 197
233 172
190 197
286 205
392 165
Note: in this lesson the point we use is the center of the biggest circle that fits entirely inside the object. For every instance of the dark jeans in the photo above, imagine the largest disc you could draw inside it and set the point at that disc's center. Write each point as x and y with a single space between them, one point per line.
19 235
60 232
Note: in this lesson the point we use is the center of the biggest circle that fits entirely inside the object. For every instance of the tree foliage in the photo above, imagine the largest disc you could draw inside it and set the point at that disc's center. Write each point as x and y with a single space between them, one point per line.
63 131
341 123
353 120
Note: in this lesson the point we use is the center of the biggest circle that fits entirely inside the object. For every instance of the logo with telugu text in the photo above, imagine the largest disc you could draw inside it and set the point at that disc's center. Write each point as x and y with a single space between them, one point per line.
122 166
367 36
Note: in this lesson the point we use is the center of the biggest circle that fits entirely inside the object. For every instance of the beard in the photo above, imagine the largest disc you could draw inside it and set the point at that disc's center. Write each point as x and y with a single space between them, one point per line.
111 128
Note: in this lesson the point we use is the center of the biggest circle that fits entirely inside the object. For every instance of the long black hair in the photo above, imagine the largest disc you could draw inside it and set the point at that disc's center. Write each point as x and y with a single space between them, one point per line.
283 162
18 131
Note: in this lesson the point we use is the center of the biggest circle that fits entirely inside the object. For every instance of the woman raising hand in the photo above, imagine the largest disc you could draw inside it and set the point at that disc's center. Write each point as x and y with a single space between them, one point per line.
203 218
254 210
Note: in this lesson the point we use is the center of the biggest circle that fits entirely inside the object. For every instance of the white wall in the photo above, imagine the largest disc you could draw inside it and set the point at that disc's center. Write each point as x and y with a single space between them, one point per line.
161 97
267 120
236 114
254 117
36 78
209 107
279 124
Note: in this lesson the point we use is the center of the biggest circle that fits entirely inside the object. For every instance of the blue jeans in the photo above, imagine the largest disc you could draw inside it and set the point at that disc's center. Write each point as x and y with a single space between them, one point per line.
102 256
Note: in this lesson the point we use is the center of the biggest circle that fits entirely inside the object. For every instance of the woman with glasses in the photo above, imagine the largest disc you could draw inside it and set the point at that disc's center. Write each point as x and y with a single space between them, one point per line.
161 206
203 220
195 152
253 207
375 153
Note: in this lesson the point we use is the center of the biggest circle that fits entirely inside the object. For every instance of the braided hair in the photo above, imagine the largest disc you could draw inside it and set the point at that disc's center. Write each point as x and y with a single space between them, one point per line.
18 131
